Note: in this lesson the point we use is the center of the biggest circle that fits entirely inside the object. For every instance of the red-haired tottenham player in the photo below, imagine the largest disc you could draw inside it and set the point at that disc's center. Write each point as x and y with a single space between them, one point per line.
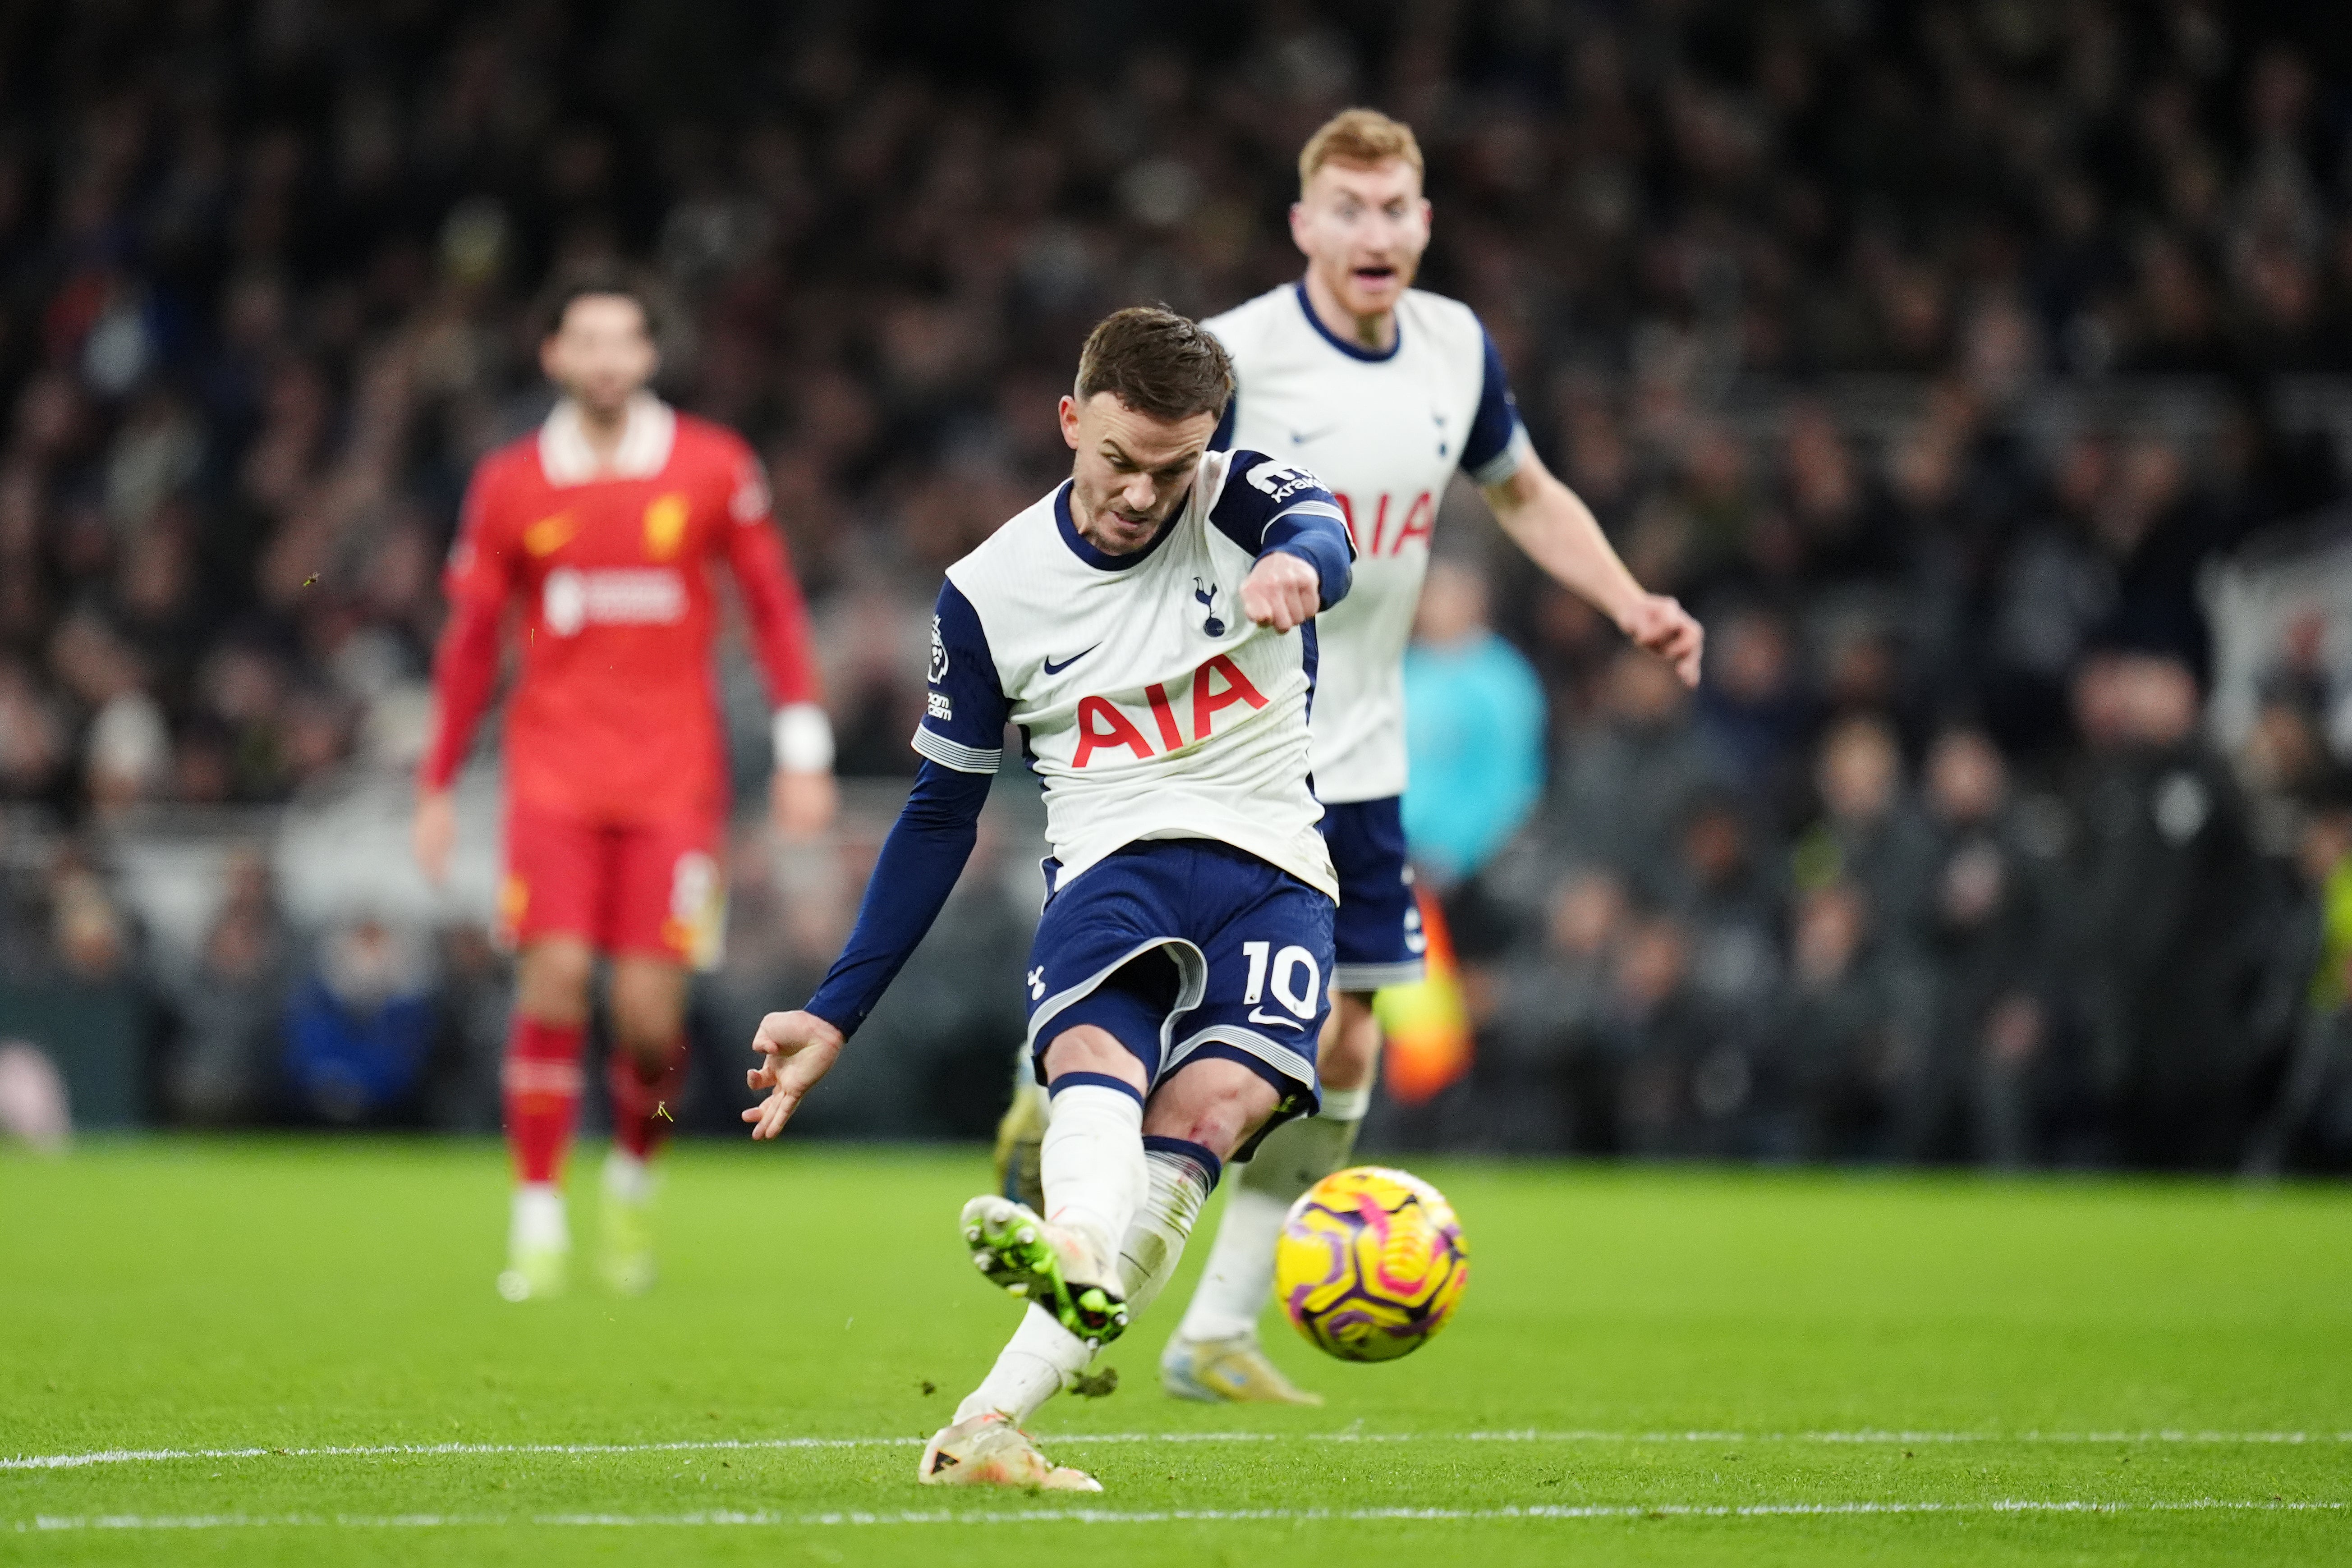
600 532
1388 392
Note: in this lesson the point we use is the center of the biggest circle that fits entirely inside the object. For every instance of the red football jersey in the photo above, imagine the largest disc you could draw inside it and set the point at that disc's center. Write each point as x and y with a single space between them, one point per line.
613 716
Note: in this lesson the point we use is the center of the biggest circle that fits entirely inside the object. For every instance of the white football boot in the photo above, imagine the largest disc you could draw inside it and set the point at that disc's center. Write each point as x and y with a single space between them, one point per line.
989 1450
1227 1372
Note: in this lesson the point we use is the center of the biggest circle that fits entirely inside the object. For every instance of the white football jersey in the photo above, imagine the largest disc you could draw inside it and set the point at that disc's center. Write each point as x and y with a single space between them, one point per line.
1149 704
1385 433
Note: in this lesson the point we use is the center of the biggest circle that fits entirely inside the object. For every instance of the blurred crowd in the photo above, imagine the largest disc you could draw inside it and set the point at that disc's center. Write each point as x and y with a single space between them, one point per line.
1930 352
1810 936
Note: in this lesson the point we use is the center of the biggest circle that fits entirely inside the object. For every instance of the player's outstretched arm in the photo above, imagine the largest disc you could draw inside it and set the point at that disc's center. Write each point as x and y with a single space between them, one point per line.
963 730
797 1049
1559 533
920 860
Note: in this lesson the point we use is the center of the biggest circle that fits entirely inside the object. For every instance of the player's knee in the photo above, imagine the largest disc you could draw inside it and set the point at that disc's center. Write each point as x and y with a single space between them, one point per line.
1217 1103
1088 1047
551 980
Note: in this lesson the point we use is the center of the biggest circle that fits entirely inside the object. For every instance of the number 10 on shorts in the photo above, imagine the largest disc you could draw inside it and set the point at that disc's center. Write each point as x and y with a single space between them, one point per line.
1284 968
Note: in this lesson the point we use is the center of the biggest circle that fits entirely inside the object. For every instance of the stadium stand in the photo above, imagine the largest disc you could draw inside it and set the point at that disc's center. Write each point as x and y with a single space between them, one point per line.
1982 373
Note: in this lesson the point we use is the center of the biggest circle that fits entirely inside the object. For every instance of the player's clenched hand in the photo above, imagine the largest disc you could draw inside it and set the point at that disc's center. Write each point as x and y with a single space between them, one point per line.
1662 625
799 1049
800 803
1282 591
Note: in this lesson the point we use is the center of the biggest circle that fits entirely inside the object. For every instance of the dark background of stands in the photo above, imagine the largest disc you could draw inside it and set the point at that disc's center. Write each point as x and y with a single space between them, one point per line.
1979 372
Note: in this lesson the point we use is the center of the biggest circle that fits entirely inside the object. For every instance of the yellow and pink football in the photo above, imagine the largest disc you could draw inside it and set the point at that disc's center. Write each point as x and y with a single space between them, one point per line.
1371 1263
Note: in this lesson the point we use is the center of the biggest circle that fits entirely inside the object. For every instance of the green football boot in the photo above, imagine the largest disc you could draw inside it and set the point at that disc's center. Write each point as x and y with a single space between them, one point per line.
1039 1262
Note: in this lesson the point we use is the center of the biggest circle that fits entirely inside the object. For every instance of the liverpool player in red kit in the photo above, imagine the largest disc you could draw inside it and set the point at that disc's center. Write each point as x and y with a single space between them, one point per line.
599 531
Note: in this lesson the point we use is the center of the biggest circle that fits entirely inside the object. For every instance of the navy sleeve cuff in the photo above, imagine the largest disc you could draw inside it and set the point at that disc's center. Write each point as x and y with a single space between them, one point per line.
1496 442
1321 544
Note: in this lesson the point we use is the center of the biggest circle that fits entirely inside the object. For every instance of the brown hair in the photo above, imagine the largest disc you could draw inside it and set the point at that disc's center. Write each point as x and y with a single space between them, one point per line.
595 278
1156 362
1363 136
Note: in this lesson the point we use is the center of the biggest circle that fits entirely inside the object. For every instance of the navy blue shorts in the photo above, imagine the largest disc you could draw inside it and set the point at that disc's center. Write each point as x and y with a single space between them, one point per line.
1379 939
1220 952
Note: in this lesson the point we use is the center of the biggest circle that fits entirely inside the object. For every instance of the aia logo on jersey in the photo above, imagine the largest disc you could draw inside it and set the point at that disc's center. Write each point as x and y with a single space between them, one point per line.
665 526
1208 598
1216 685
1388 538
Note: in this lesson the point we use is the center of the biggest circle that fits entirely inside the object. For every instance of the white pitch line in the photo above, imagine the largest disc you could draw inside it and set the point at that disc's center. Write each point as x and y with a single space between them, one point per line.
714 1446
1873 1434
721 1517
430 1451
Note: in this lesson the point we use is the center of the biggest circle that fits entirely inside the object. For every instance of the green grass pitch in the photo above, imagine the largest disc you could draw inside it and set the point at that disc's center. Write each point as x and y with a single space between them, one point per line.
1650 1366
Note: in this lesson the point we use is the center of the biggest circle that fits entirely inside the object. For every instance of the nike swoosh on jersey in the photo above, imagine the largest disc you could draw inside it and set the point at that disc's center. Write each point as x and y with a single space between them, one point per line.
1054 669
1301 437
1258 1015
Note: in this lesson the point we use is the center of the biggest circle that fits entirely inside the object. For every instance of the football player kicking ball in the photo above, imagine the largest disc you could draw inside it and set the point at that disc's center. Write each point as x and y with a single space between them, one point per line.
1385 391
1148 626
599 531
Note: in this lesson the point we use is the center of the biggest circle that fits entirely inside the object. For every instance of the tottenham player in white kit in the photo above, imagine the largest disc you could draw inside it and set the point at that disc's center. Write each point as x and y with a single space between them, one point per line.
1148 627
1384 391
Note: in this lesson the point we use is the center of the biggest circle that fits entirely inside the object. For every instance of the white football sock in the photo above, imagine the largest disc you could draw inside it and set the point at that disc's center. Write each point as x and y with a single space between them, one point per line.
1091 1165
1154 1244
1239 1280
1240 1276
628 1177
1037 1363
538 1219
1299 1154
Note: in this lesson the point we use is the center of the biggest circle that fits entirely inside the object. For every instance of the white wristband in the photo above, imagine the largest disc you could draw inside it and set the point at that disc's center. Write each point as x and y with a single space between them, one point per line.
804 736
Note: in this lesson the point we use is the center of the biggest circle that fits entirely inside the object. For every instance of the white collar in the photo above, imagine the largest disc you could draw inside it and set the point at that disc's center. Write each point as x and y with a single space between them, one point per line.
566 458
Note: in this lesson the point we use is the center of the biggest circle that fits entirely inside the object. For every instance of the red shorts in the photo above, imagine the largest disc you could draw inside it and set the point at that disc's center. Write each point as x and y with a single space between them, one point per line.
647 889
